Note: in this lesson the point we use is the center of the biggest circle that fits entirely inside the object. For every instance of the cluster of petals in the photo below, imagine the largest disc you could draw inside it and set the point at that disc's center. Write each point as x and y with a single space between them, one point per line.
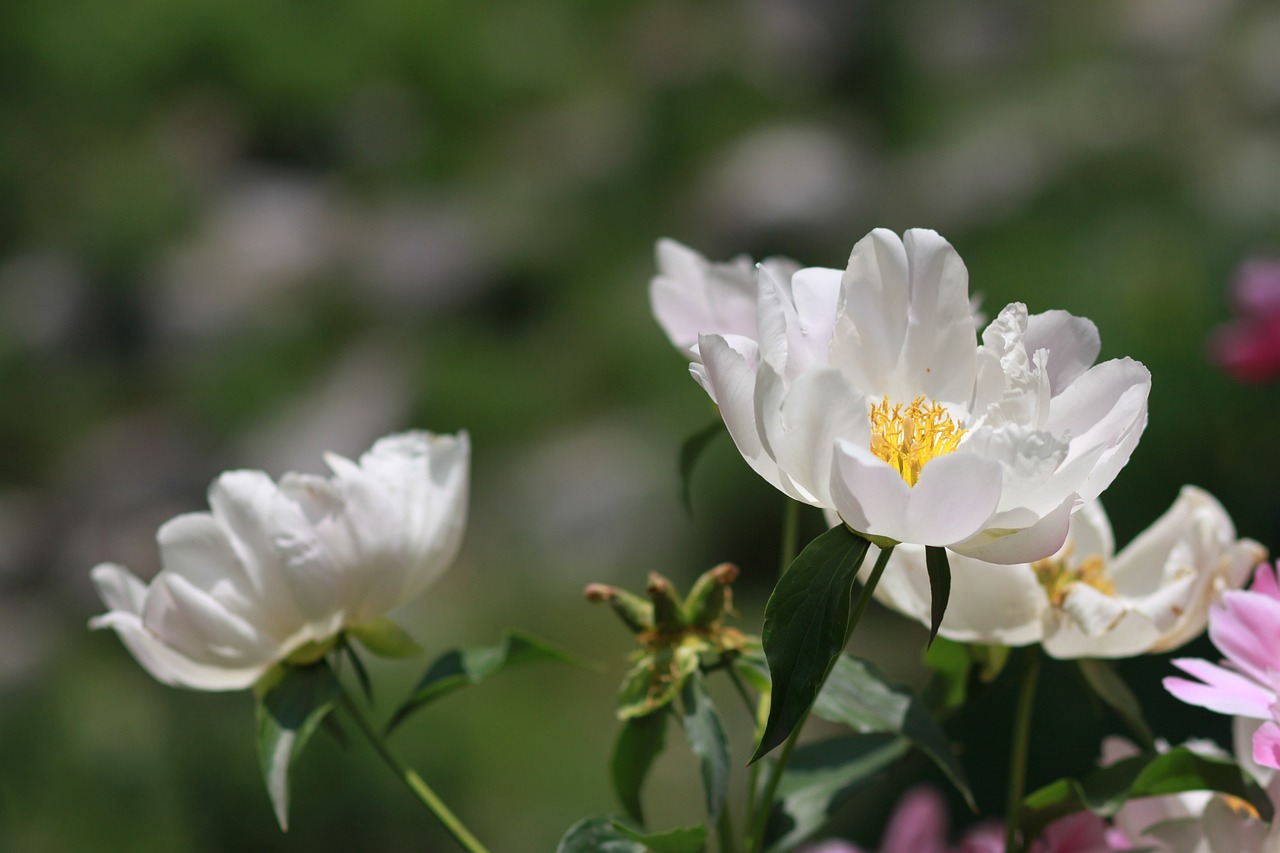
1248 348
1245 627
1086 600
1026 425
276 568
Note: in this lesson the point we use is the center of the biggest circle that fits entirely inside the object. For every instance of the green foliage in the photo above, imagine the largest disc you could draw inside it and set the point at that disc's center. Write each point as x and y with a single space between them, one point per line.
858 696
939 568
690 452
706 735
288 711
1105 790
1111 689
639 743
606 835
386 639
806 626
462 667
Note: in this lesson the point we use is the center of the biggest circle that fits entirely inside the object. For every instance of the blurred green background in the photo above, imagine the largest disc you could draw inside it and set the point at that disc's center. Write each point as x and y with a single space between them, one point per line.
235 234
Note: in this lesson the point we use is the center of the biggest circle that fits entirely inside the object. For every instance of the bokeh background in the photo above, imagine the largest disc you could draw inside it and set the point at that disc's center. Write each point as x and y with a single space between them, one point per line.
236 234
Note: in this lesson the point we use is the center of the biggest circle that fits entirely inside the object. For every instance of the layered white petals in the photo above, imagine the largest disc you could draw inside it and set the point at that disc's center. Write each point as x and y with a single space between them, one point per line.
984 448
1084 601
273 567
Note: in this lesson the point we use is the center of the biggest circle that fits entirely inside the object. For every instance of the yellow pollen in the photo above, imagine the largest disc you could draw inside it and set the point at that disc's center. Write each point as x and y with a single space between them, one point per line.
908 437
1241 807
1057 576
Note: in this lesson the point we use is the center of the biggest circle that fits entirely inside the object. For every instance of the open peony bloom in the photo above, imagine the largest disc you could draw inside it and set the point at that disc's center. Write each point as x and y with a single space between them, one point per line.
691 296
1246 628
276 569
1086 600
865 392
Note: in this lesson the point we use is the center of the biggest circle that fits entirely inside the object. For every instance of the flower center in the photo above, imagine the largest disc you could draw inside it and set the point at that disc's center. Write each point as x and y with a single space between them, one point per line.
1057 576
909 436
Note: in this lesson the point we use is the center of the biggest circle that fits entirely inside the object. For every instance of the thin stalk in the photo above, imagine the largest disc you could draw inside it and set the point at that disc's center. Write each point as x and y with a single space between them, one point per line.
724 831
410 777
742 691
760 816
790 526
1021 741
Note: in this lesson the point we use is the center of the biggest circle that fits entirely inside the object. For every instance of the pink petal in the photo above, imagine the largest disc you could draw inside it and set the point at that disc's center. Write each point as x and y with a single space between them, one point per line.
1266 745
1246 628
1222 690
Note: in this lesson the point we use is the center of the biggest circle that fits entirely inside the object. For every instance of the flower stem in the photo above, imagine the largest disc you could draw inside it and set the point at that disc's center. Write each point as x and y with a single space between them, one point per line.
1021 741
724 831
790 524
411 778
760 818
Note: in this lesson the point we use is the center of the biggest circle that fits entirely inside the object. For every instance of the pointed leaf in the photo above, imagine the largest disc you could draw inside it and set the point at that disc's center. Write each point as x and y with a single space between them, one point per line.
857 695
461 667
640 742
820 779
1105 790
287 714
705 733
690 452
386 639
606 835
935 561
806 625
1110 688
688 839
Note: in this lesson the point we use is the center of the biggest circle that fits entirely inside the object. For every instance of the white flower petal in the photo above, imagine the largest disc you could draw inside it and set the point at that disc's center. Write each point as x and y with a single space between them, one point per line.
819 408
1024 545
1072 342
169 666
731 376
196 625
867 340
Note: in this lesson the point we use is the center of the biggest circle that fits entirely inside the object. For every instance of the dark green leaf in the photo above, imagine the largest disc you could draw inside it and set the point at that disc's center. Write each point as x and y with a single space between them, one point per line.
935 561
806 625
287 714
606 835
1111 689
386 639
639 743
951 665
820 779
461 667
1105 790
858 696
688 839
707 739
690 452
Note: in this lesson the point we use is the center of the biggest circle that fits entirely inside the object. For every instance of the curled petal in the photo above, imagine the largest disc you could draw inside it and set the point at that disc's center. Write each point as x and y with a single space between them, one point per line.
1220 689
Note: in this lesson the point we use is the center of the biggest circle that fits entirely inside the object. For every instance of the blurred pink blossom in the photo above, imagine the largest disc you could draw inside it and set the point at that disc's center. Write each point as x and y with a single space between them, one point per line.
1248 348
1246 628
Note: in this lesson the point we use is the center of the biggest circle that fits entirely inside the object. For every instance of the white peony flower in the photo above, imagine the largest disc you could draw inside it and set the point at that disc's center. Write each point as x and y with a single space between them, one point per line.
691 296
865 392
1086 600
274 570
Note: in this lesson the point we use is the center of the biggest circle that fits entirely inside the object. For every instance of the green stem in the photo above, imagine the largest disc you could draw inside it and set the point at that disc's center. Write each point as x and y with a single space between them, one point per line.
760 816
790 526
411 778
724 831
1021 741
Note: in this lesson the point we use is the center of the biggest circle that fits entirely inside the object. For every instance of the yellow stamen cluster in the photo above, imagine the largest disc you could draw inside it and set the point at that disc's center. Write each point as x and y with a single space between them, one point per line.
908 437
1057 576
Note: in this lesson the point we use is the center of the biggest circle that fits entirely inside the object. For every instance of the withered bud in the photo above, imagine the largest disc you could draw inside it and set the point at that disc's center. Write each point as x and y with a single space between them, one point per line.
634 611
711 596
668 613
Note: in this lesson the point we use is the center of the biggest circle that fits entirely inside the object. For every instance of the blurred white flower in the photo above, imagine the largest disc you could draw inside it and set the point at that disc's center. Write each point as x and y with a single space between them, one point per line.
865 392
1086 600
276 568
691 296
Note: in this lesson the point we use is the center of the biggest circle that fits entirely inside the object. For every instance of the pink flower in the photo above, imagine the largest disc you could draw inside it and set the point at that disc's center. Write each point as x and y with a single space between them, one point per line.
1245 628
1248 348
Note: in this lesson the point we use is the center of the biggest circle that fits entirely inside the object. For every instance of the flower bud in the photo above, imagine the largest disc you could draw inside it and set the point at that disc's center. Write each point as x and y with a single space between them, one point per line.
634 611
668 612
711 596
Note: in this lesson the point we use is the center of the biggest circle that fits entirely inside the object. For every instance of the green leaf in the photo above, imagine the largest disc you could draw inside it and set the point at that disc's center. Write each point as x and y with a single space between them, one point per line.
688 839
690 452
820 779
1110 688
640 742
857 695
705 733
386 639
806 626
656 679
461 667
286 716
1105 790
951 664
935 561
606 835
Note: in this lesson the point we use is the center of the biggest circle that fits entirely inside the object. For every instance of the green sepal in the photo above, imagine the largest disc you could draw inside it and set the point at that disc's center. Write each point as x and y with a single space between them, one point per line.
1107 789
639 743
656 679
386 639
806 626
857 695
939 569
1112 690
461 667
290 706
990 659
821 778
705 732
690 452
